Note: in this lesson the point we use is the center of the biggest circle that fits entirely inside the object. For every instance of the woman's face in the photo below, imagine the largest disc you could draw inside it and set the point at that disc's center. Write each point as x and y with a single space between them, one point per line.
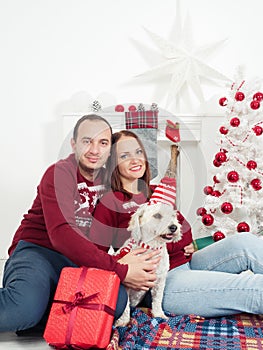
130 158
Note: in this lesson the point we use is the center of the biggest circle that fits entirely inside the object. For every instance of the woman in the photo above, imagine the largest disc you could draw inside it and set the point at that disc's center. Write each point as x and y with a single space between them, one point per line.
129 177
208 282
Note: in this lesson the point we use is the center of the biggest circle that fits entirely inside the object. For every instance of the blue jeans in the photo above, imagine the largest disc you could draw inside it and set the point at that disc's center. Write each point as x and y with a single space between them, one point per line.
212 284
29 283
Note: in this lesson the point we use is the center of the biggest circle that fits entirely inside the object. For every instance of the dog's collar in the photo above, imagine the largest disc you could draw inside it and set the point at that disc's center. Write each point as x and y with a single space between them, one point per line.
131 243
147 246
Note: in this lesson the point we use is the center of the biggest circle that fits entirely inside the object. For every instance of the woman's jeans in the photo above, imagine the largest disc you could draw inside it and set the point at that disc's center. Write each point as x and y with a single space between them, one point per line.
30 278
212 283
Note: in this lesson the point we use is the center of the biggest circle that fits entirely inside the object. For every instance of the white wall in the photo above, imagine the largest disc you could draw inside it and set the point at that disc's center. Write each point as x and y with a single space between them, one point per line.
52 50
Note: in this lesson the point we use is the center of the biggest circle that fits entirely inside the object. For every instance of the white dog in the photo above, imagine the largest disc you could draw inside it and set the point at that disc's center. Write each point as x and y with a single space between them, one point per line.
151 226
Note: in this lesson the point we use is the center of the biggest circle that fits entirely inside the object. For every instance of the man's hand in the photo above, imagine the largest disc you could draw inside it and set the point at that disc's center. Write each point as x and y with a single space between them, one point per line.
189 249
142 265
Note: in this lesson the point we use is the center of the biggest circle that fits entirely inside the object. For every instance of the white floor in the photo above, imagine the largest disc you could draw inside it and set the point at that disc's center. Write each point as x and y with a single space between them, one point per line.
10 341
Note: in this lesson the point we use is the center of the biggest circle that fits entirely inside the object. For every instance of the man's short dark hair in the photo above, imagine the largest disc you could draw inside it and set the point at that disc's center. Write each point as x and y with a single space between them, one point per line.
89 117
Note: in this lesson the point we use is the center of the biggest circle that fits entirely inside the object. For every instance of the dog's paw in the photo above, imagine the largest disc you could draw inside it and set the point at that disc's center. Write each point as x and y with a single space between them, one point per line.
160 314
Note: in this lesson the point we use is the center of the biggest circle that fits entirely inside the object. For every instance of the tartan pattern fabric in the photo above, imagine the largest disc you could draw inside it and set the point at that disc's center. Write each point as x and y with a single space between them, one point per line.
141 120
237 332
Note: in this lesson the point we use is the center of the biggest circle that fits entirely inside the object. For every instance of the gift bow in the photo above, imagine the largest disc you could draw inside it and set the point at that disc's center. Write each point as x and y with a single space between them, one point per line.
78 301
82 302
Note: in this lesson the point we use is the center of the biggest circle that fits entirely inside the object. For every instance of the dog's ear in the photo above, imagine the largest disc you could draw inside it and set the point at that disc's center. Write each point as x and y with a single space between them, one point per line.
135 221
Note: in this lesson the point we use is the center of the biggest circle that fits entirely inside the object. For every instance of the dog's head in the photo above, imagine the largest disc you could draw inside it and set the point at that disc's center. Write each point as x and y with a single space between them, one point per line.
155 222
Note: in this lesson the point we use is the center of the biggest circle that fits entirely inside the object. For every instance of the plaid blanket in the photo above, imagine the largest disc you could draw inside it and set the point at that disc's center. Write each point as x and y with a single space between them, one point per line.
242 331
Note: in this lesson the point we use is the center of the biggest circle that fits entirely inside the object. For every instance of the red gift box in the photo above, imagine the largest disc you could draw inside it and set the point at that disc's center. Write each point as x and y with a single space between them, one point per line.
83 308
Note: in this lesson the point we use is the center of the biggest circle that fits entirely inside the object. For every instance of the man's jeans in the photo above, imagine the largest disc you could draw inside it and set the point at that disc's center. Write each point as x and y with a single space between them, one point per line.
30 278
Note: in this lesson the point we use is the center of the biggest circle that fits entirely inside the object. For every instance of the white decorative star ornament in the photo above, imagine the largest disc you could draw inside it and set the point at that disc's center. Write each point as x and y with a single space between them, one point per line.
184 63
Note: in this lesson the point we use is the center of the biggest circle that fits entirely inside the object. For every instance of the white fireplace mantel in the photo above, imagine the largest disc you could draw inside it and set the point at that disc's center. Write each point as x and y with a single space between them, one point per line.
190 126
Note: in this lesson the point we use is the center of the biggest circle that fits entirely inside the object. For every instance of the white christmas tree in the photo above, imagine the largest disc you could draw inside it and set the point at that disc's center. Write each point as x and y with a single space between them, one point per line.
234 199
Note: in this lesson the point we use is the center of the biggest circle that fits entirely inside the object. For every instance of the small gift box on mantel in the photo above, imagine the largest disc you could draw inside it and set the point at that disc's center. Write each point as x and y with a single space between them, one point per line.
83 309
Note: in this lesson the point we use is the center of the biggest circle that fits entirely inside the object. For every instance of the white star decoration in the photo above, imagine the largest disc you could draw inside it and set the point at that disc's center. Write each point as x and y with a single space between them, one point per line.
183 62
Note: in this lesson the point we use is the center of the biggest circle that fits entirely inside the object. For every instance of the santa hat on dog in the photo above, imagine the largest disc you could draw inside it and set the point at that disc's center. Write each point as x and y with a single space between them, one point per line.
165 192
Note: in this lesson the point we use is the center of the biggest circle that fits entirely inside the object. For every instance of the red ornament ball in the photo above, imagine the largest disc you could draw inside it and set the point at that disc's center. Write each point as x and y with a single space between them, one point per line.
119 108
218 235
256 184
220 157
243 227
223 130
239 96
208 190
207 219
258 130
201 211
235 122
258 96
251 164
227 208
216 193
223 101
216 181
232 176
132 108
216 163
255 104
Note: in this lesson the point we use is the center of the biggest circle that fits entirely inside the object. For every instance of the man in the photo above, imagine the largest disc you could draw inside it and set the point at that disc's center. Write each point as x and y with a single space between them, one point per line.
52 234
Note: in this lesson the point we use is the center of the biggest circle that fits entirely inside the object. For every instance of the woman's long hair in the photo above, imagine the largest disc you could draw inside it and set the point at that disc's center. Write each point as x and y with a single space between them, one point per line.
113 177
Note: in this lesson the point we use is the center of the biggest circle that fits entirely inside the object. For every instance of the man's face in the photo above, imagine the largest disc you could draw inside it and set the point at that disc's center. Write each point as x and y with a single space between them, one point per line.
93 144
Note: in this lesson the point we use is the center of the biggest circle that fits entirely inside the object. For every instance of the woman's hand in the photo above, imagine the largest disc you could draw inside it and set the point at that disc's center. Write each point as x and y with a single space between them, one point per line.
142 265
189 249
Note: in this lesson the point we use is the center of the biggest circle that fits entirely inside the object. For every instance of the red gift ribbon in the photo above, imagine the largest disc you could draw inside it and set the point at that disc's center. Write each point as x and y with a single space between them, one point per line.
84 303
80 301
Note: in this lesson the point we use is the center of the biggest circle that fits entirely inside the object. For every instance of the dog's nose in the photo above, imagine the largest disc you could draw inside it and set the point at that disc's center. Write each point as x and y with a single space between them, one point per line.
172 228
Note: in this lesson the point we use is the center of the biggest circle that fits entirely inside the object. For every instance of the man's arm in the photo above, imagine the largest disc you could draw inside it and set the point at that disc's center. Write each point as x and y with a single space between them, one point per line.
142 266
56 190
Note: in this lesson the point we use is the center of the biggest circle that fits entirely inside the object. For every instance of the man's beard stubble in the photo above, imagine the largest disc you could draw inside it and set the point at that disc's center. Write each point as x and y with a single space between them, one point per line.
89 171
